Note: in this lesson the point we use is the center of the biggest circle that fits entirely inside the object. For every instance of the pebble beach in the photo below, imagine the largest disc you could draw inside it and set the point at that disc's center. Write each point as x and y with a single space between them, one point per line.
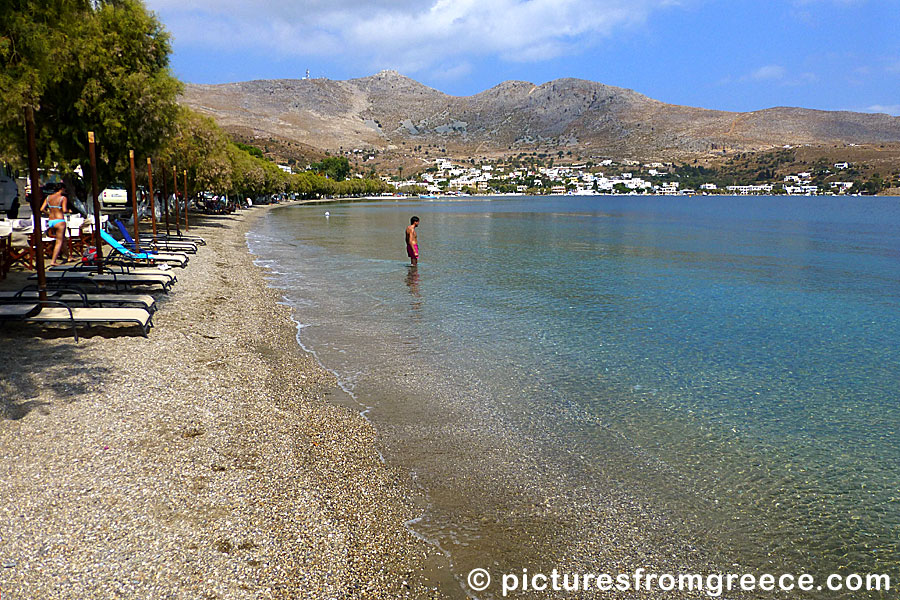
205 461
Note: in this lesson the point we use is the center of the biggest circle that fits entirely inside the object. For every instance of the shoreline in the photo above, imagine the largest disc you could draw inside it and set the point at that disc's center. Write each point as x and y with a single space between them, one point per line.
206 461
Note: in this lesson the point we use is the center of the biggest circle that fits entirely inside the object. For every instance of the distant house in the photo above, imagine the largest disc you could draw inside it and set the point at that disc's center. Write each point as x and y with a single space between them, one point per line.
750 189
843 165
285 168
558 189
841 186
801 189
709 186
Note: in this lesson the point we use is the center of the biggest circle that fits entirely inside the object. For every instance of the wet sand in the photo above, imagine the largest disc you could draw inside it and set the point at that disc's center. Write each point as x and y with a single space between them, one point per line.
206 461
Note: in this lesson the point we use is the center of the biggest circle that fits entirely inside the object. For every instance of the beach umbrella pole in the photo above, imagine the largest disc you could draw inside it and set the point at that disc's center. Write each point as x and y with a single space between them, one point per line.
152 199
166 201
186 226
95 190
36 199
175 194
134 210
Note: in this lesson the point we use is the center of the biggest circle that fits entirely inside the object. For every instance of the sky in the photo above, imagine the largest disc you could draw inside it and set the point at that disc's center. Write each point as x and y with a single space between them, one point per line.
738 55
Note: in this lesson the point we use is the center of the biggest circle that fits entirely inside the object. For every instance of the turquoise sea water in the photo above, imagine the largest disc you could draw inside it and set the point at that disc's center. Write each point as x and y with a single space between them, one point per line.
729 362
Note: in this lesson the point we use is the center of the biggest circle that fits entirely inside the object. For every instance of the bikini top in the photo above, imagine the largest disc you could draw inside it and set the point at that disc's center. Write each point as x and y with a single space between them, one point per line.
59 206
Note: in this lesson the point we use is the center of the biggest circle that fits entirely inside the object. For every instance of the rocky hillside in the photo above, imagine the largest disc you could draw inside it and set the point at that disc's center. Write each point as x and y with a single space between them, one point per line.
387 110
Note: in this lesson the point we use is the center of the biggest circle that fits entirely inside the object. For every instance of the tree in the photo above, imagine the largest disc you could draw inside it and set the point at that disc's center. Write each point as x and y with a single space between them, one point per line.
335 167
83 65
251 150
200 147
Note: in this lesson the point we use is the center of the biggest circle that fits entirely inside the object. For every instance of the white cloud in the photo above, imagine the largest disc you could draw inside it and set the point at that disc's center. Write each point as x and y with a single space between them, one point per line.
891 109
409 35
766 73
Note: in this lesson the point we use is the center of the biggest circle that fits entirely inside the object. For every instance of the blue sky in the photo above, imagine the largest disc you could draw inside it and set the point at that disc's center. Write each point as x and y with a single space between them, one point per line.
730 55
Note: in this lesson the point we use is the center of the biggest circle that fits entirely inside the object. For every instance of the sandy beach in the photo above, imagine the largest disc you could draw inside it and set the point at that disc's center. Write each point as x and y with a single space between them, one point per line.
205 461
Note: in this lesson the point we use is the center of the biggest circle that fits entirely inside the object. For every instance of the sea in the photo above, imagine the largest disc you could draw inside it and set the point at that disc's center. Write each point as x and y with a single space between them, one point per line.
616 382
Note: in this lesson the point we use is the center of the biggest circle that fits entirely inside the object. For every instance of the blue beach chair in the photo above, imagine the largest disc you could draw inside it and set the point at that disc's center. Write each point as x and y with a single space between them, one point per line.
176 259
179 247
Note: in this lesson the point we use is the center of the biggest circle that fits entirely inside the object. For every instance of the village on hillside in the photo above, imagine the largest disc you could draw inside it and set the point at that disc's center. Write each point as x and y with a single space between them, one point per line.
626 176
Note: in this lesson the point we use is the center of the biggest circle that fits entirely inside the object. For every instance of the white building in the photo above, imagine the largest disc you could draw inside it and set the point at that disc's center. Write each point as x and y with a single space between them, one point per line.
744 190
709 186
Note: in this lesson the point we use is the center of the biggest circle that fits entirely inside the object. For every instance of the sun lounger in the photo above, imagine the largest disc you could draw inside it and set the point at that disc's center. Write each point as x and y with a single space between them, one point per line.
18 312
56 312
89 299
178 260
116 280
199 241
116 268
165 245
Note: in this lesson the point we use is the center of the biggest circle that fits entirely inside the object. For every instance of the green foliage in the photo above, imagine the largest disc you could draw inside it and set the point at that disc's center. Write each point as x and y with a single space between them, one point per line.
85 68
103 66
251 150
334 167
200 147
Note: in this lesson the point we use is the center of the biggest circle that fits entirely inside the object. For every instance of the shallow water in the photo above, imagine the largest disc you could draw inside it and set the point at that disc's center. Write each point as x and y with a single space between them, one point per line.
727 364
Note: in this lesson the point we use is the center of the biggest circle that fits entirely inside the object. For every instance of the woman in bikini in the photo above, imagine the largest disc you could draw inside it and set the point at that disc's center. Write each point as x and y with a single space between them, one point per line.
56 207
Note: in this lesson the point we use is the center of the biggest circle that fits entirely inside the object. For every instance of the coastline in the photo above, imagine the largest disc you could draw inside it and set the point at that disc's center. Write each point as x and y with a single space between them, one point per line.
205 461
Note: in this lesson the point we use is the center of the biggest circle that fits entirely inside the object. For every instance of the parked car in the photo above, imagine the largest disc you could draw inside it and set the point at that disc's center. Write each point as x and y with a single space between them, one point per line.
114 196
9 193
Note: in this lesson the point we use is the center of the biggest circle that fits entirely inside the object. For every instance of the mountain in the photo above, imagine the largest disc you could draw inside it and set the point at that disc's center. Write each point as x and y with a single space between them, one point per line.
388 110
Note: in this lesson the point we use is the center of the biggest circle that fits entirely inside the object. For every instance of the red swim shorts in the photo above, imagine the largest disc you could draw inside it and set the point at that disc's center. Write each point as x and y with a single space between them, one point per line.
412 250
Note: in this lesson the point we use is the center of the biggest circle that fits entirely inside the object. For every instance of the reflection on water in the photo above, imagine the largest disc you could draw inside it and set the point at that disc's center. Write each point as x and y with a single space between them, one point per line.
412 283
730 362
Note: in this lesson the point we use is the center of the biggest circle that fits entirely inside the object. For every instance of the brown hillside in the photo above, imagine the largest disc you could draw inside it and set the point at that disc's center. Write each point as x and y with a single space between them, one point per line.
388 111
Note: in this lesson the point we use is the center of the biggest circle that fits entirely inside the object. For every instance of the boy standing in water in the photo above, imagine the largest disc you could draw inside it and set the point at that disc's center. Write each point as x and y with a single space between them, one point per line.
412 242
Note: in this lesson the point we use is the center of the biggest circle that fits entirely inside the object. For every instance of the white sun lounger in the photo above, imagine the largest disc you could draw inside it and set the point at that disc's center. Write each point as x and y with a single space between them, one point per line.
59 313
77 315
124 280
116 269
74 298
